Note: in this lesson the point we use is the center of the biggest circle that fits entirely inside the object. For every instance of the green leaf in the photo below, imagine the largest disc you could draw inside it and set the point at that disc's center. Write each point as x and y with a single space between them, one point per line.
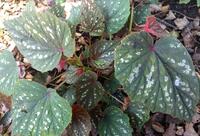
60 1
57 10
6 119
39 111
41 38
71 74
70 95
73 12
141 12
8 72
184 1
114 123
102 53
152 1
30 6
138 113
81 124
89 91
198 3
92 20
116 13
111 85
160 75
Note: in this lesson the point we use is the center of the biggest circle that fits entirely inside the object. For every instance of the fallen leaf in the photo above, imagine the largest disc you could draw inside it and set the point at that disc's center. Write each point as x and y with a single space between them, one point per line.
165 8
181 22
196 118
170 130
179 131
188 40
170 16
155 8
158 127
189 130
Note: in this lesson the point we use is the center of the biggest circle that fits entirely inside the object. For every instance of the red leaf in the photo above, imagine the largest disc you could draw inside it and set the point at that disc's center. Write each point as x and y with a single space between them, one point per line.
79 71
61 65
153 27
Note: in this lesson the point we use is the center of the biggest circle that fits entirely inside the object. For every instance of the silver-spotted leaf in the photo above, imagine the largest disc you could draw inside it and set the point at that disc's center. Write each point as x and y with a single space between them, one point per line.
92 20
8 72
70 94
114 123
81 124
73 12
57 10
71 74
141 12
116 13
159 75
30 7
102 54
89 91
59 1
41 38
39 111
138 113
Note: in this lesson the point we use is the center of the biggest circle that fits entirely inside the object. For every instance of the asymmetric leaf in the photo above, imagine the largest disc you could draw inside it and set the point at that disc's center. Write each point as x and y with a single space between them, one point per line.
92 20
73 12
59 1
70 95
140 13
137 112
41 38
116 13
8 72
81 124
160 76
71 74
89 91
102 53
57 10
114 123
39 111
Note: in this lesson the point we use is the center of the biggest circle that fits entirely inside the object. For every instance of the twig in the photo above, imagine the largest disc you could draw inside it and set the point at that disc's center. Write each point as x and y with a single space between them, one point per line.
114 98
54 79
168 24
57 87
131 18
183 14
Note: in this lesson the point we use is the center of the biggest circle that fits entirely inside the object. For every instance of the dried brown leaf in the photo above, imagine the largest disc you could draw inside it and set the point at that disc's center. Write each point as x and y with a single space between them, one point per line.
170 130
189 130
181 22
179 131
158 127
